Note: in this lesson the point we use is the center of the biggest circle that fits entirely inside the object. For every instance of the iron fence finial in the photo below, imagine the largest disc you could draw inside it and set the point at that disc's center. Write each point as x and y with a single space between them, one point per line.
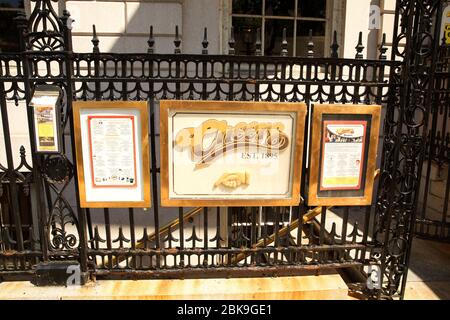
177 41
359 47
310 45
151 41
284 44
231 42
205 42
95 41
383 48
334 46
258 42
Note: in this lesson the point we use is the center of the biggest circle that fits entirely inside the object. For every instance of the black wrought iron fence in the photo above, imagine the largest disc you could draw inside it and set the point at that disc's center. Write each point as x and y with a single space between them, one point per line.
433 221
198 242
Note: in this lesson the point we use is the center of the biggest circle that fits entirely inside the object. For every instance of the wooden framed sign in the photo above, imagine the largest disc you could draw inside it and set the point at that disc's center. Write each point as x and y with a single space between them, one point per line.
112 154
218 153
343 154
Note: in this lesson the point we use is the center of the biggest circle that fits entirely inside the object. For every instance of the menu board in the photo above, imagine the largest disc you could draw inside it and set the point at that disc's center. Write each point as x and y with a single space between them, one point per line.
343 154
342 157
112 154
112 142
231 153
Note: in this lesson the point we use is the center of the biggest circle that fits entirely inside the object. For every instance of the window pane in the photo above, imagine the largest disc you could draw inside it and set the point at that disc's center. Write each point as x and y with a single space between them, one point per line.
245 34
9 33
318 32
247 6
11 3
280 8
312 8
274 36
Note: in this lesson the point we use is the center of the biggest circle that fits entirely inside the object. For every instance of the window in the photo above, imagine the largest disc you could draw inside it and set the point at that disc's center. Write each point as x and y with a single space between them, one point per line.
271 16
8 31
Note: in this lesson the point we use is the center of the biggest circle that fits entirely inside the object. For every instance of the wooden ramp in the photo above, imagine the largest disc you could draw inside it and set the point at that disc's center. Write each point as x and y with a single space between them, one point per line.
310 287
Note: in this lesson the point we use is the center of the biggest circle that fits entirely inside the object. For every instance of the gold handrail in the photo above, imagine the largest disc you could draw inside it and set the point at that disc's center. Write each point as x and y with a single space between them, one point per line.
308 216
311 214
162 231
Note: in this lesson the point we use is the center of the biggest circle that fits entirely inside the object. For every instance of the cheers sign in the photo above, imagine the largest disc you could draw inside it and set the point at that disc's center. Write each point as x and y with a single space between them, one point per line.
216 137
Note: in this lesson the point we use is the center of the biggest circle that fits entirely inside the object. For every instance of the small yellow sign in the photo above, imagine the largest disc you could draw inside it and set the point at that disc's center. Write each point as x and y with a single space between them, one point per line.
445 27
45 121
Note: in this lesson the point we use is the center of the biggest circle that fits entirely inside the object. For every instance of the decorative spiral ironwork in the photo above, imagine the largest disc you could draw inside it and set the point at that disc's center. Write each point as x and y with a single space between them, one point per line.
407 114
57 169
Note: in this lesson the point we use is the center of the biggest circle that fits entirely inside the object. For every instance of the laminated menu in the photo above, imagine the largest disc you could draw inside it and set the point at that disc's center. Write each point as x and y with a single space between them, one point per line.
342 155
112 145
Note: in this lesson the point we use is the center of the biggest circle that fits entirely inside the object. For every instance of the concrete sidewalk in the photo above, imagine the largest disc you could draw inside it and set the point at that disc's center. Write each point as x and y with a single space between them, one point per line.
429 271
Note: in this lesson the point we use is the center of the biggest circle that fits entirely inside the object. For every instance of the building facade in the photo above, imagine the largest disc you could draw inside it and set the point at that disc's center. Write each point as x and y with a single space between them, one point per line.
123 26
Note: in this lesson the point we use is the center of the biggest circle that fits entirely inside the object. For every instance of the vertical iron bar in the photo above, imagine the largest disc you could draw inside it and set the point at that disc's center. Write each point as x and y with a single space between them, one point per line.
205 235
181 229
89 225
365 232
154 179
301 212
108 235
282 85
124 82
70 95
264 230
430 147
230 232
322 225
344 225
205 66
132 236
276 232
230 85
11 173
254 235
218 226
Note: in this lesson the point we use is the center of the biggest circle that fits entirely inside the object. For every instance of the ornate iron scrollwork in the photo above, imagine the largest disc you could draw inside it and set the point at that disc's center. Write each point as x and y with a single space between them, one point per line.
44 28
406 120
62 216
57 169
58 172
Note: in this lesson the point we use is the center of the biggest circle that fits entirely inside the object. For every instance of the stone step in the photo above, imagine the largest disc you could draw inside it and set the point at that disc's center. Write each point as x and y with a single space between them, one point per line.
327 286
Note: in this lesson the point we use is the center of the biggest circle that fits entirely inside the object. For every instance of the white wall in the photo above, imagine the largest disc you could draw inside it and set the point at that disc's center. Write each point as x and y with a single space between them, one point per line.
387 22
198 14
123 26
18 124
356 20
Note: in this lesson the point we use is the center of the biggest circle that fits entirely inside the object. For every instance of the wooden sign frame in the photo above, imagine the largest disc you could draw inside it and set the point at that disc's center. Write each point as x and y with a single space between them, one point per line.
293 114
355 191
132 192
